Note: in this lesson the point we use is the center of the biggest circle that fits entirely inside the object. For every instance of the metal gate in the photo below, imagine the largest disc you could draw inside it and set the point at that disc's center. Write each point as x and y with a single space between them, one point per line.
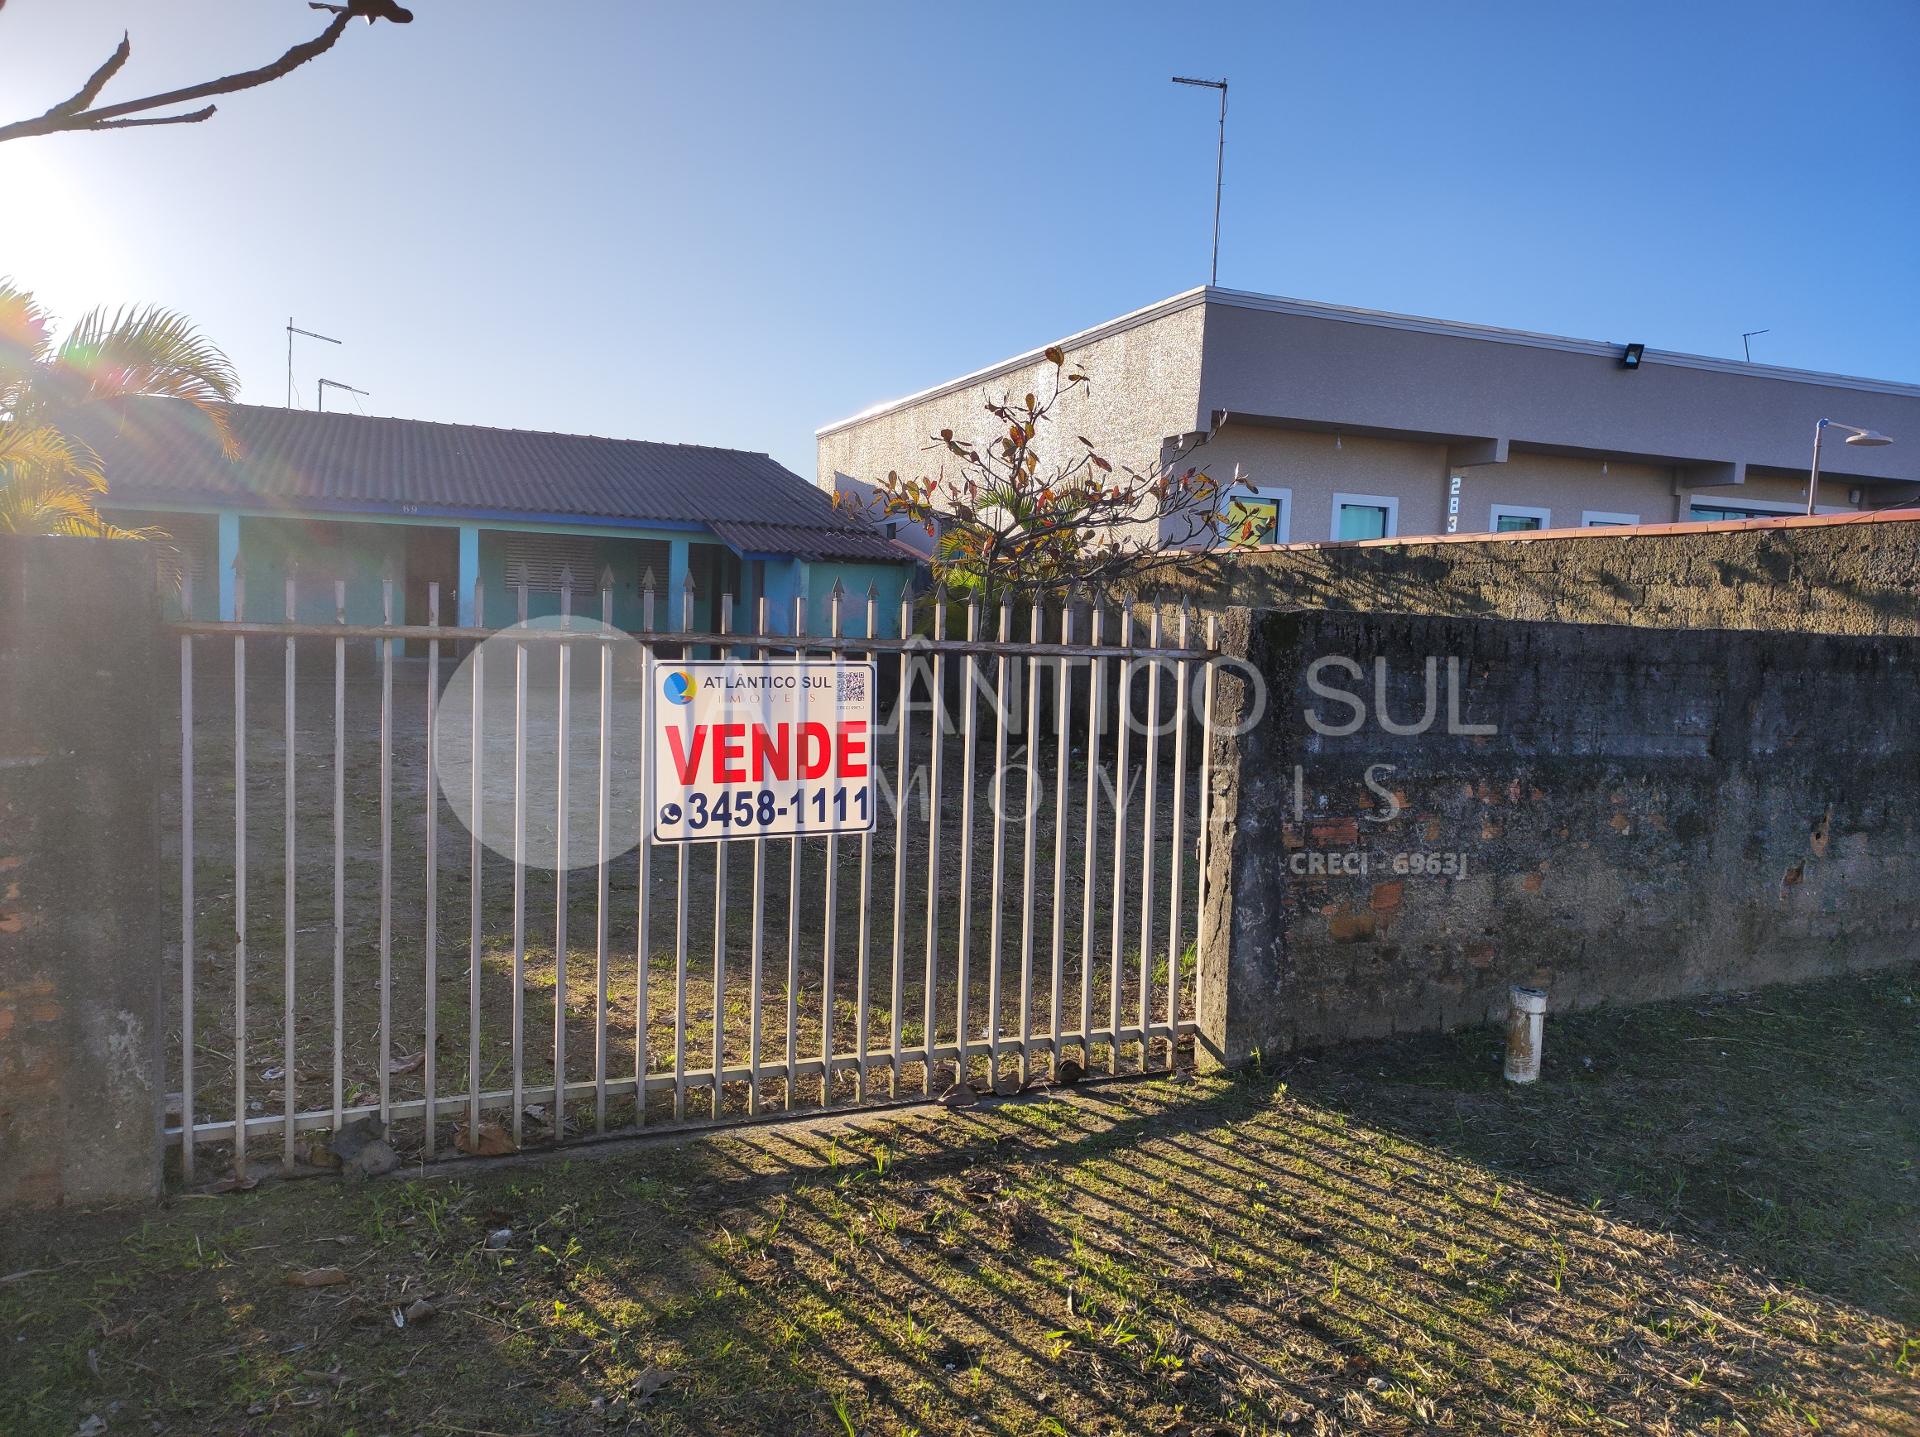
1027 899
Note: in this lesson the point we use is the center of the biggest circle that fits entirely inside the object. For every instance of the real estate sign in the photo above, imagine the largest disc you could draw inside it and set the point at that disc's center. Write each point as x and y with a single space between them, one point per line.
745 748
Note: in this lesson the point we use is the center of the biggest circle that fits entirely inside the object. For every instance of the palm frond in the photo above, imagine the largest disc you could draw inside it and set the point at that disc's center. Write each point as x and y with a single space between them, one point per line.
42 450
26 330
146 350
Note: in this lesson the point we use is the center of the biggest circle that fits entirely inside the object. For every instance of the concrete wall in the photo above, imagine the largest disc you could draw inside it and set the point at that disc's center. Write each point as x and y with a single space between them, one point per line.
1624 821
1843 575
80 935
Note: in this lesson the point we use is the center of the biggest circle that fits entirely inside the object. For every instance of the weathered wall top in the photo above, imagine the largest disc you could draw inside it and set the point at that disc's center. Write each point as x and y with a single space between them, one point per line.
1834 574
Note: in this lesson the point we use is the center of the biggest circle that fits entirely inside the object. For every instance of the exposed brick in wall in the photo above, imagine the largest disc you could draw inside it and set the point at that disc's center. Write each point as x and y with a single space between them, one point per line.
1839 575
1711 810
80 938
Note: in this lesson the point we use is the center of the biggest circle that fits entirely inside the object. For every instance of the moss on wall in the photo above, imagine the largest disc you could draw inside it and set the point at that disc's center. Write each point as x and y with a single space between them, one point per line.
1838 577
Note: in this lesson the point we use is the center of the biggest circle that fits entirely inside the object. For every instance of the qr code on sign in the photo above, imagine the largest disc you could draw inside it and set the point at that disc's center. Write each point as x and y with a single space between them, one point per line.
852 688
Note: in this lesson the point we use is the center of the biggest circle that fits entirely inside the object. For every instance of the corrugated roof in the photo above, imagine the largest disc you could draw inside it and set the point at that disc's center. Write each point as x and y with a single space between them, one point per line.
163 451
808 543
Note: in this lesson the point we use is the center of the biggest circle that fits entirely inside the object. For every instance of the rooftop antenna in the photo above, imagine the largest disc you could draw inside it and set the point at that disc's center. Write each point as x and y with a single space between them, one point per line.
1744 344
291 332
320 393
1219 162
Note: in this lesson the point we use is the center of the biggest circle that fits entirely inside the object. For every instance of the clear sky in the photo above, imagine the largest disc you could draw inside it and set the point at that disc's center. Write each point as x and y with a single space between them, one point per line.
731 223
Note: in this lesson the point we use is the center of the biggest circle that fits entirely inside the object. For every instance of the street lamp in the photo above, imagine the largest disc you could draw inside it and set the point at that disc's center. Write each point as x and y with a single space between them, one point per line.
1865 438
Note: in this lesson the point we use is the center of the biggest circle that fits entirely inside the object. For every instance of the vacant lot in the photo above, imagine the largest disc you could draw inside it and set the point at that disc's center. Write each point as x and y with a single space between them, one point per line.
1706 1219
1093 946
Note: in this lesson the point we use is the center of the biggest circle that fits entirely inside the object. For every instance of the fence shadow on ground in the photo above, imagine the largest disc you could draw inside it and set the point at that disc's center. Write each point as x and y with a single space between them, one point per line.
1382 1238
1776 1126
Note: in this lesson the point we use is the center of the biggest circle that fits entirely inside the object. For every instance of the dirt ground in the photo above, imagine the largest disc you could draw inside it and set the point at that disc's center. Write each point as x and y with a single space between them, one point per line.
1701 1220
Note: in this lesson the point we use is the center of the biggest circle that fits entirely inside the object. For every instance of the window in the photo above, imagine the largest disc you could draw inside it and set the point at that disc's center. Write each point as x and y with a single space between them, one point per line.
545 556
1257 516
1365 516
1601 519
1517 518
1718 511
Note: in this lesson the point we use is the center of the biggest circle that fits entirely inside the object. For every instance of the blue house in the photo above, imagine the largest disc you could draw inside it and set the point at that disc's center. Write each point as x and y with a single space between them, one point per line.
348 497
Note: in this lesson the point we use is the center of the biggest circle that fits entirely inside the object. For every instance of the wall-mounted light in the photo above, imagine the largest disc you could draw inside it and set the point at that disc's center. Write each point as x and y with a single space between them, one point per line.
1631 355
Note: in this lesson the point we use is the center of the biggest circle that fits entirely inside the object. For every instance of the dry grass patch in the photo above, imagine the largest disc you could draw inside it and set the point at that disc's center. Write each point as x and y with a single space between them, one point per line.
1383 1240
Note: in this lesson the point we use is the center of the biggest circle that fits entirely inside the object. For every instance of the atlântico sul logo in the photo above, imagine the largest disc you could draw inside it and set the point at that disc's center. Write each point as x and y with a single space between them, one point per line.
680 687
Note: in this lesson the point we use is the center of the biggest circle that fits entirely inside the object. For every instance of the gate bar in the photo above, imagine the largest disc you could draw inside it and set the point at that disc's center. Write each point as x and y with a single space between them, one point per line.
1150 802
287 920
603 840
1090 840
903 708
995 940
864 950
977 647
239 878
188 938
1122 706
475 892
1030 797
1061 757
519 860
429 1067
562 842
339 858
938 728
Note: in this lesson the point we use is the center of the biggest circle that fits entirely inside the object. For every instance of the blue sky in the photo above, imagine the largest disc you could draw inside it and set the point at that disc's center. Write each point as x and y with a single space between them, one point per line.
729 224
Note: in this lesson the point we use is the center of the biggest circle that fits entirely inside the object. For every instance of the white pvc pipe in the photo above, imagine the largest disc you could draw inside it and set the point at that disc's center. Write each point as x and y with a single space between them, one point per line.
1526 1022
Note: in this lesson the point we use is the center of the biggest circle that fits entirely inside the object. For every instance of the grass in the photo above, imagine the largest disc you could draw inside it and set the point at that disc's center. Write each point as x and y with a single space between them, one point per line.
1705 1219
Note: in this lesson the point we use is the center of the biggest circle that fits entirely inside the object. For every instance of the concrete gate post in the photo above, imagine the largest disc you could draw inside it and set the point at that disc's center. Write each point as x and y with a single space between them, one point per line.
82 731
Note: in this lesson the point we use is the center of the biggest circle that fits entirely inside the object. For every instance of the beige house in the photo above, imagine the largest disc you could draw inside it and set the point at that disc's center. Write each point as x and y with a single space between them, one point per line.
1333 423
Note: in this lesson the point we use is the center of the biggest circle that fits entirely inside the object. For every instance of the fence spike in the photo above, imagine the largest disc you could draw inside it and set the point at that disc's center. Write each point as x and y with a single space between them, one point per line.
838 587
646 581
873 589
606 578
688 584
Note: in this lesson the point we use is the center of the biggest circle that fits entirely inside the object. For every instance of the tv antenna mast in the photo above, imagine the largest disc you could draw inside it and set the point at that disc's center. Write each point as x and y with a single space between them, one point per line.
1746 341
291 332
320 393
1219 161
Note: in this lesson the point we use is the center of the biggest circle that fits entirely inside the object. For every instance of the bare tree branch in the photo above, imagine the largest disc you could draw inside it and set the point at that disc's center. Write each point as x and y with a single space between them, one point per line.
95 82
192 117
73 114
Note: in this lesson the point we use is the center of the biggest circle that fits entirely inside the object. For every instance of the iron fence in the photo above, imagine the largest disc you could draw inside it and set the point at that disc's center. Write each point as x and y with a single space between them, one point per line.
943 948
